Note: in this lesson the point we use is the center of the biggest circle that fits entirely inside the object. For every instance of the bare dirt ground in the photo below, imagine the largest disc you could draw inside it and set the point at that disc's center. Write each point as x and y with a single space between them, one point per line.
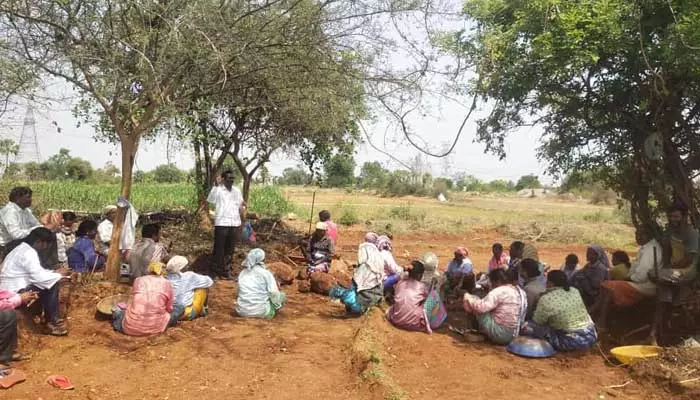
309 351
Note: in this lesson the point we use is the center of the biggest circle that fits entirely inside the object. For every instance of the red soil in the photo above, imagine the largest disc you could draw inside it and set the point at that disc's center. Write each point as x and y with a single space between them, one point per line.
302 353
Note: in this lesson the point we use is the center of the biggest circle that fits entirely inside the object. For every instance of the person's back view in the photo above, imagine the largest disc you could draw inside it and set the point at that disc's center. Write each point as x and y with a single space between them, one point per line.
410 293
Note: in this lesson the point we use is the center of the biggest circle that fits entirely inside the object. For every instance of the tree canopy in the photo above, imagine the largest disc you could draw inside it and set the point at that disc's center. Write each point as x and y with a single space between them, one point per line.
340 171
528 182
604 78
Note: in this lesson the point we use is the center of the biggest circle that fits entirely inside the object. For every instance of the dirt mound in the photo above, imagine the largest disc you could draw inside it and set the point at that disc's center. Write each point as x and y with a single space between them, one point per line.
368 355
675 370
342 278
201 264
304 274
304 286
283 272
322 282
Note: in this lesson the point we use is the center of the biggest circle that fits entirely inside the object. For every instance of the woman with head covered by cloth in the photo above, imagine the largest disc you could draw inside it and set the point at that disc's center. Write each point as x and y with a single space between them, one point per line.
366 288
321 250
589 279
151 308
258 294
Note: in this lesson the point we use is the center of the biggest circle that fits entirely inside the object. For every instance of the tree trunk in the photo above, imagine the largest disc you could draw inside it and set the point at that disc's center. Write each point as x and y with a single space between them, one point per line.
201 173
247 179
129 146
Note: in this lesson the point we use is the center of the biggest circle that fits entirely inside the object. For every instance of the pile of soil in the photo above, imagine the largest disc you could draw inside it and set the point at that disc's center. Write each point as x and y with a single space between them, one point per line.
675 370
283 273
322 282
342 278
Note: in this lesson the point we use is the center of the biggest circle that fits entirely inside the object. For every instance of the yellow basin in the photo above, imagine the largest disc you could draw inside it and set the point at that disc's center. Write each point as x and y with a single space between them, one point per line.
105 305
631 354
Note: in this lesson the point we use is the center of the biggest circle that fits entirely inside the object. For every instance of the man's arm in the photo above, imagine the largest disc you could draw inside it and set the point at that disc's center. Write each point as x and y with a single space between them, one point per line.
211 198
32 222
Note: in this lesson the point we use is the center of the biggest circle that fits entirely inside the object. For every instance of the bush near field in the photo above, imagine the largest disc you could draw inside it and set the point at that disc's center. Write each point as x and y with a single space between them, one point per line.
91 198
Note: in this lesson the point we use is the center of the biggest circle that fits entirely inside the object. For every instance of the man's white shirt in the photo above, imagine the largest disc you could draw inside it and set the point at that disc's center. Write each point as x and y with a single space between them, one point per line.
227 204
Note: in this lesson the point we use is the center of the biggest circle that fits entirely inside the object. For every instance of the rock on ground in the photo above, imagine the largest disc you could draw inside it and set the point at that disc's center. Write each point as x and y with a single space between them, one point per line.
304 286
322 282
342 277
283 272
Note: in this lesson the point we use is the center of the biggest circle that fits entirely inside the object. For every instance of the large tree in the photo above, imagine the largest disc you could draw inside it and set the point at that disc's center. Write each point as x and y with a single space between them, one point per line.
129 60
296 93
614 84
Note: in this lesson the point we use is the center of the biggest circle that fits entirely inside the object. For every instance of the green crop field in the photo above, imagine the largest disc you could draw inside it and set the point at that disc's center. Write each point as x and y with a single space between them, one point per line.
87 198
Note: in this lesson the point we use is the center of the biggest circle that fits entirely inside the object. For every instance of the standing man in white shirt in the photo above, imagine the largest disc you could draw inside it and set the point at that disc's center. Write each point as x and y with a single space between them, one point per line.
229 205
17 221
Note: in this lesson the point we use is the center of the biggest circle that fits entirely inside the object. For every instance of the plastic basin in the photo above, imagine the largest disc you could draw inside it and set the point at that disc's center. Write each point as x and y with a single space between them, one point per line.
631 354
105 305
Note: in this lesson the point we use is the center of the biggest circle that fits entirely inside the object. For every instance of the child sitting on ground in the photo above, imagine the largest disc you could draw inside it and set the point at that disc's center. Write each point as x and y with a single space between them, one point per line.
621 266
65 237
570 266
499 259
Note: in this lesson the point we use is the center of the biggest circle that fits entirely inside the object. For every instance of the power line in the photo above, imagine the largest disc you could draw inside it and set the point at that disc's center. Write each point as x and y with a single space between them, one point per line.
402 120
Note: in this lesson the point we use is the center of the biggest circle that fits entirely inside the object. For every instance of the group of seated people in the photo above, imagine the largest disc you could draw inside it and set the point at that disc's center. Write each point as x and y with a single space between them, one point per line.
520 295
517 295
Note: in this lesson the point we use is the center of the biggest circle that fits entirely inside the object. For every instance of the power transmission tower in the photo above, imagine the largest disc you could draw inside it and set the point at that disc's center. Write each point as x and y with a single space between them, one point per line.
28 142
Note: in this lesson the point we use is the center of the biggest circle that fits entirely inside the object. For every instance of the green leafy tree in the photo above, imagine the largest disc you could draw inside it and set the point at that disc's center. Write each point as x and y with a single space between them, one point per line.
613 83
500 185
264 175
8 148
168 173
142 177
12 172
470 183
130 62
340 171
373 175
56 165
294 177
442 186
79 169
34 171
528 182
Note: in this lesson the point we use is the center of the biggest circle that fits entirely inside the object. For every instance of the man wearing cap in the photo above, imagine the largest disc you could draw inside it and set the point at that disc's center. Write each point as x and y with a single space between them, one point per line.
321 249
229 205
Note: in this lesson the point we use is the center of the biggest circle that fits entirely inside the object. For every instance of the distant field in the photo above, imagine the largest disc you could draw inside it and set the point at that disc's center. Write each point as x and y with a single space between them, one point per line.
544 219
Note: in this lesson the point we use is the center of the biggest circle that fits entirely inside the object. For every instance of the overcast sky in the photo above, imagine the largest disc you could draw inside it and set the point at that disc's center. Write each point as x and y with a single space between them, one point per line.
437 126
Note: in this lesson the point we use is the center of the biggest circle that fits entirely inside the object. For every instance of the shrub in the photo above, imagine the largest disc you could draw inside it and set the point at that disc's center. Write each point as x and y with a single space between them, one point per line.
405 213
597 216
269 201
349 217
603 196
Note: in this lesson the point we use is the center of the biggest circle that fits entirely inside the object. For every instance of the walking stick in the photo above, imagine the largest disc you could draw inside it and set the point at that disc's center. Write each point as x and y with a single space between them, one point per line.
311 217
92 272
